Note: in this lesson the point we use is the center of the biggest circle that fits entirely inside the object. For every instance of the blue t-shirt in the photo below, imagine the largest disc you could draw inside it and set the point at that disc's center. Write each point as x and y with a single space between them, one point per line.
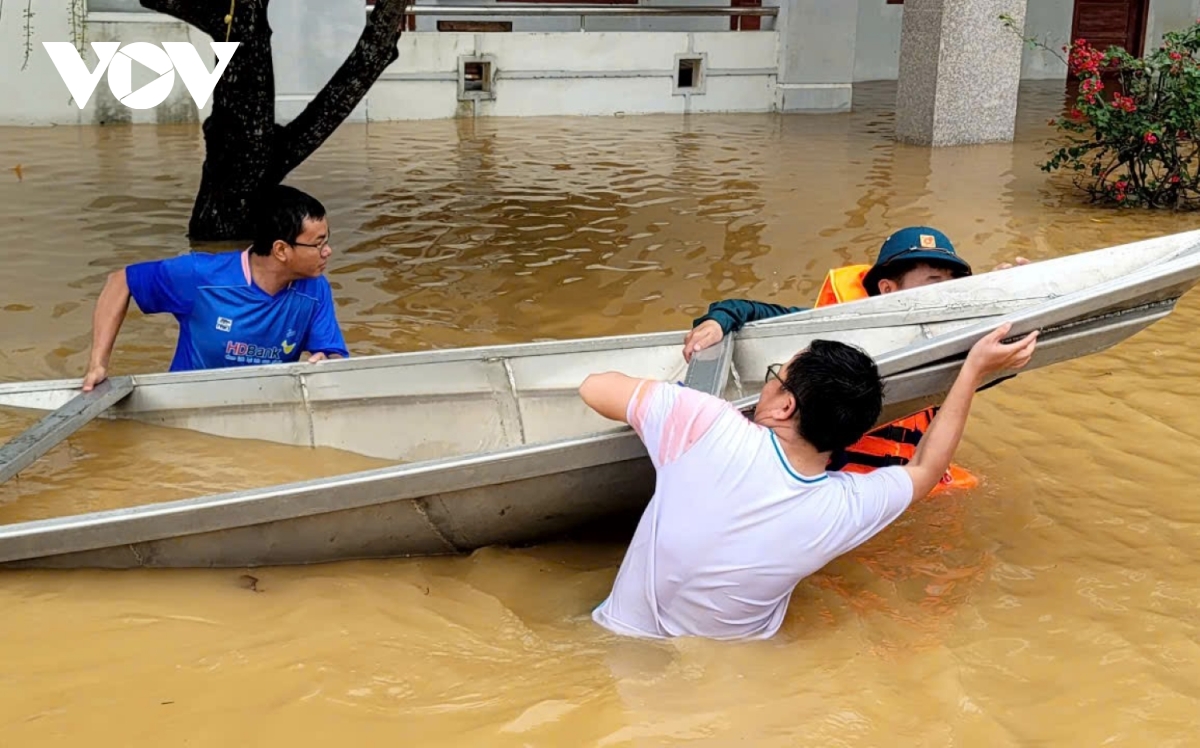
226 320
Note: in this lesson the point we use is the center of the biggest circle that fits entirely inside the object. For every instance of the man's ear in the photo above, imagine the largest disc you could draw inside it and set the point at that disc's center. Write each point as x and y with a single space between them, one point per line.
793 407
279 250
786 410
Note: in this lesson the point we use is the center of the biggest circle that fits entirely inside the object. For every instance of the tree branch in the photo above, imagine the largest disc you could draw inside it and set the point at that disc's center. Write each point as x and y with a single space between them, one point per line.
206 15
376 49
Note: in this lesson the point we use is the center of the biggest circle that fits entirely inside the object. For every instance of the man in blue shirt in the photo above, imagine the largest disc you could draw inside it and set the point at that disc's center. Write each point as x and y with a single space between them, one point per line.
262 305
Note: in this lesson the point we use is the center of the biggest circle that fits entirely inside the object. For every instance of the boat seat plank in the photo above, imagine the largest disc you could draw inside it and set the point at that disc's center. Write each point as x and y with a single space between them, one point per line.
24 449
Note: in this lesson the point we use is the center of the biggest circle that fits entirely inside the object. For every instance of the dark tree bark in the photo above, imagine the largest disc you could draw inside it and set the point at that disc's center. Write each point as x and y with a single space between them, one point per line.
246 150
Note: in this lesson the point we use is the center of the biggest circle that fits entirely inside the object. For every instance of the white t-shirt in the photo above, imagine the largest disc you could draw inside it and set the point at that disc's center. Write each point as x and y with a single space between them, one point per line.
732 528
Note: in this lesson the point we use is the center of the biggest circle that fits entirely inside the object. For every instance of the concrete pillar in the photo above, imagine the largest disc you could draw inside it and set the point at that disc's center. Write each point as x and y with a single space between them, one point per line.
959 72
310 40
816 54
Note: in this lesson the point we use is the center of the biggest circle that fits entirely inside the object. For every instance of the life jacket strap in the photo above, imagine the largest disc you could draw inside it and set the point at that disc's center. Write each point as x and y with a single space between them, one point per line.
847 457
895 433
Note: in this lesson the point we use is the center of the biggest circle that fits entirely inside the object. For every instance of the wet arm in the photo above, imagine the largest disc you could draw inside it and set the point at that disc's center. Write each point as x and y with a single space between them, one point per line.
324 338
107 318
609 393
732 314
941 439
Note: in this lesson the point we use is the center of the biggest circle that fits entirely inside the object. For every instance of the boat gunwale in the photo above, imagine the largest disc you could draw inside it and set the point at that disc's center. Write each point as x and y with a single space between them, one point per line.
907 309
282 502
1181 259
1184 272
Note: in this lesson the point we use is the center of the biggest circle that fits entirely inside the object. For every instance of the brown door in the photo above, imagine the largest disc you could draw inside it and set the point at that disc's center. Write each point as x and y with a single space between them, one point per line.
745 23
1106 23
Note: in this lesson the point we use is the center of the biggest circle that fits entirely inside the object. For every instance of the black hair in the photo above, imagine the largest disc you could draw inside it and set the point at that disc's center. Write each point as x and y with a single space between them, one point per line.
280 217
897 269
838 391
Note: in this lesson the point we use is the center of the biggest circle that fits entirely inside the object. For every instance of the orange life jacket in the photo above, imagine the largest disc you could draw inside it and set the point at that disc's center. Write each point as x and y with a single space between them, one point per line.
895 443
843 284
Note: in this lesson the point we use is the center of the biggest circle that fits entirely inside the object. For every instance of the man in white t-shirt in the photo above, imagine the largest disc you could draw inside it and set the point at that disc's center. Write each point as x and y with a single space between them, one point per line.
743 510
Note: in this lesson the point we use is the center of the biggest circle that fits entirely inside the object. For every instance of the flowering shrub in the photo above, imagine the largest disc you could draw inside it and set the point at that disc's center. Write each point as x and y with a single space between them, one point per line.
1131 134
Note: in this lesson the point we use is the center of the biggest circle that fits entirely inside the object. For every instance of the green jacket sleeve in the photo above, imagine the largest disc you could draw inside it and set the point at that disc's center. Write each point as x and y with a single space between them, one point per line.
732 314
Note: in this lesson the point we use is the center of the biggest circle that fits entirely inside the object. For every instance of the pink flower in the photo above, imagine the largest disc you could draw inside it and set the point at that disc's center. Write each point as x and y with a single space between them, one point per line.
1084 59
1124 103
1151 138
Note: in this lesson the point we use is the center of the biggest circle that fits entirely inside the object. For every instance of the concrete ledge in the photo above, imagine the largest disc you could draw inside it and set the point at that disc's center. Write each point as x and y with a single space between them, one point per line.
519 75
133 16
813 97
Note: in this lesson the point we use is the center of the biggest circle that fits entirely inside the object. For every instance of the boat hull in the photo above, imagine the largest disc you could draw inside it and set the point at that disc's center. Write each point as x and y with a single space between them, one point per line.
509 497
432 404
538 468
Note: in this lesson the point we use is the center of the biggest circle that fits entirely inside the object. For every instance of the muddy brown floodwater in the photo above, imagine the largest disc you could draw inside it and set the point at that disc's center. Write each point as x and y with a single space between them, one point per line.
1056 604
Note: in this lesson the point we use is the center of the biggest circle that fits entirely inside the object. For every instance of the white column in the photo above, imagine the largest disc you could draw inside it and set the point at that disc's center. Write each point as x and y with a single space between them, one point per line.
959 72
816 54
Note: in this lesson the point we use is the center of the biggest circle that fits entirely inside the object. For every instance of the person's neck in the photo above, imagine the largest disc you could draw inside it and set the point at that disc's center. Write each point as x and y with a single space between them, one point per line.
802 456
268 274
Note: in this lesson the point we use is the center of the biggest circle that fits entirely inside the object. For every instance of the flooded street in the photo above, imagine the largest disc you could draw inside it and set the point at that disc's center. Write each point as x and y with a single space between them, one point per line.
1055 604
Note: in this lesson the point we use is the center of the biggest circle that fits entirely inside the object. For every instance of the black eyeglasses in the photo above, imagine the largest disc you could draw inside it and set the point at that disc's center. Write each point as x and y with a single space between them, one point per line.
317 247
773 371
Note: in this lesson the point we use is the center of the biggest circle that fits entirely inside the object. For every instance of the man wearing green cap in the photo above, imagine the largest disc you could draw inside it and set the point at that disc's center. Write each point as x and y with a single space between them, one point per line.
910 258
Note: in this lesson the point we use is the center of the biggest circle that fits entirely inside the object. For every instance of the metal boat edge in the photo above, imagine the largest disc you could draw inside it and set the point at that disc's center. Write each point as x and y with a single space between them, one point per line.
516 495
917 306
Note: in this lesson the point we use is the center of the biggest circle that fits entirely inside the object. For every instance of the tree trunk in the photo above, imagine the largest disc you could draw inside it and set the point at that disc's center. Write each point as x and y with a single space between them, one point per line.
246 151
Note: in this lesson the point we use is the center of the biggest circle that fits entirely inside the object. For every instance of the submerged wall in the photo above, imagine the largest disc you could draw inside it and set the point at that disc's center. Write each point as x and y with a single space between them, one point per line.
600 73
528 73
879 23
545 66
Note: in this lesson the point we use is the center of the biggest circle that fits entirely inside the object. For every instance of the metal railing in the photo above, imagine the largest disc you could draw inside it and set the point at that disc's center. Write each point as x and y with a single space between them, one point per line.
581 11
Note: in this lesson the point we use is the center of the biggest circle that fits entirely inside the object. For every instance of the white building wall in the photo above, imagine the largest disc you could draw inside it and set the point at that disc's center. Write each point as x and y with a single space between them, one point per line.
1048 21
568 73
817 42
1168 15
598 72
37 95
601 73
878 48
